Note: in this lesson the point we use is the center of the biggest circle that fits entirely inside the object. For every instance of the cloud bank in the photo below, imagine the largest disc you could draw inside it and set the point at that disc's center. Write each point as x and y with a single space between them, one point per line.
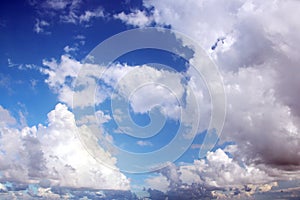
53 152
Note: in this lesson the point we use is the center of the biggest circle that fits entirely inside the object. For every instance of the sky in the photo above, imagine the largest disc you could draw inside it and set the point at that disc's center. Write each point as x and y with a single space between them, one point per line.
148 98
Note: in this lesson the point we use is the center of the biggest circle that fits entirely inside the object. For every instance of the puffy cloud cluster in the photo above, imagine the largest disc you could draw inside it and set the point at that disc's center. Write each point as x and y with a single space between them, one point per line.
54 153
221 171
218 176
257 53
82 85
256 46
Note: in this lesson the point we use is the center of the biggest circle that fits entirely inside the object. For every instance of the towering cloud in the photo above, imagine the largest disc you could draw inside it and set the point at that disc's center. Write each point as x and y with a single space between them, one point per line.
54 152
259 61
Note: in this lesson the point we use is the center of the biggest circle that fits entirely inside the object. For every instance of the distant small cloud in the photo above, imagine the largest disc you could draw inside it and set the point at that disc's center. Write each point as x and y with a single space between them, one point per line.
69 49
79 37
57 4
144 143
39 26
21 66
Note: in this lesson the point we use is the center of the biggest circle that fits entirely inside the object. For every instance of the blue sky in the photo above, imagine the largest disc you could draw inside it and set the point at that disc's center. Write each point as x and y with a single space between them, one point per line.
72 124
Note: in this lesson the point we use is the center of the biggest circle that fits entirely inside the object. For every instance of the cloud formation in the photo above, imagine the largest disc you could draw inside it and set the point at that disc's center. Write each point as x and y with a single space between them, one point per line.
258 60
136 18
54 152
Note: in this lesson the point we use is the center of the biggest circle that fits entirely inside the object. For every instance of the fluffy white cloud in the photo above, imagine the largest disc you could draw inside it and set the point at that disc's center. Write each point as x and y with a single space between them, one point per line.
162 87
55 152
218 175
136 18
6 118
256 48
62 79
159 182
221 171
202 20
258 58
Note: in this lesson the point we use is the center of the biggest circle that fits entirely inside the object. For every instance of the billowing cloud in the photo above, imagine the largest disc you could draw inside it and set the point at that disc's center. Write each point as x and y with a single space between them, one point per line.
164 88
257 56
221 171
158 183
6 118
54 152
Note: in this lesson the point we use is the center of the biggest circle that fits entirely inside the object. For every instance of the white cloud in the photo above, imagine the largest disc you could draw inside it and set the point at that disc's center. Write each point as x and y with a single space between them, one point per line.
158 183
98 118
6 118
68 49
54 152
162 88
263 107
131 82
217 171
144 143
62 80
64 11
39 26
79 37
136 18
222 171
88 15
57 4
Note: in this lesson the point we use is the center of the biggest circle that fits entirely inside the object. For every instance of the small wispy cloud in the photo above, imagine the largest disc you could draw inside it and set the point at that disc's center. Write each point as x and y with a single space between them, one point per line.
144 143
39 26
21 66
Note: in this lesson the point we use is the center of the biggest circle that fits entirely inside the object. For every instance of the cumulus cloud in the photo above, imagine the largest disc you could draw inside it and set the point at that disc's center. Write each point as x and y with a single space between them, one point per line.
221 171
6 118
136 18
77 85
258 59
62 79
55 152
158 183
259 64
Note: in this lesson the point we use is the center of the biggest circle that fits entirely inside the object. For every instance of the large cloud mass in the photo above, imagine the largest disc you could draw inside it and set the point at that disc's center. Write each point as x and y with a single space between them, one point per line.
256 47
54 153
